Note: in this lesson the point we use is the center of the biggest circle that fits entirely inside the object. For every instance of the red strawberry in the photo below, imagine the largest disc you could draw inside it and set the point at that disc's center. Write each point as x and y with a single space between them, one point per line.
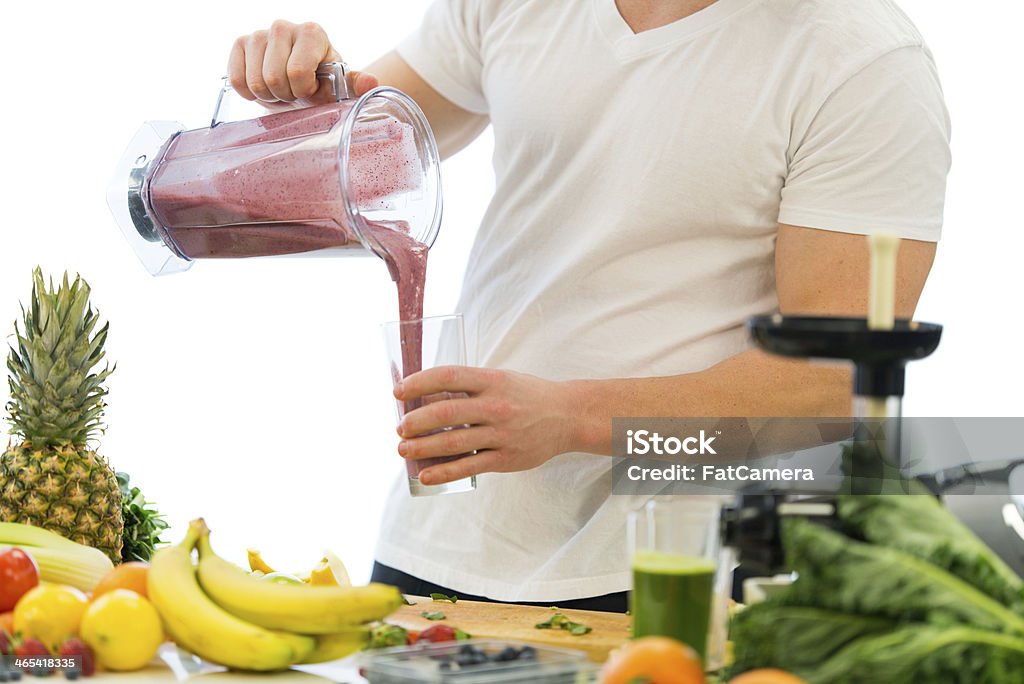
73 648
5 643
33 648
437 633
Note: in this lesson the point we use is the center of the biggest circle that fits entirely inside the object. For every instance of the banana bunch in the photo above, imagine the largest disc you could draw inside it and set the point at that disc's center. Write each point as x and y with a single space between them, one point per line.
227 616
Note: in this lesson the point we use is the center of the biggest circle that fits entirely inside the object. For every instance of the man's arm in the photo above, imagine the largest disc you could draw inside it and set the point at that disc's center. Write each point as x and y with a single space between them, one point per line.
279 65
520 421
817 272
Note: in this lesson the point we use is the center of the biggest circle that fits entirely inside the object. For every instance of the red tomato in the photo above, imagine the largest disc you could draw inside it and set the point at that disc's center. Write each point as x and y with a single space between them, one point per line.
411 637
18 574
437 633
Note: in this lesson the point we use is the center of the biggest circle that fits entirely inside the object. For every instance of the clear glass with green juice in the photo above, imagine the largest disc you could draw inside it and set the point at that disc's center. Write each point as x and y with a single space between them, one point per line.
678 572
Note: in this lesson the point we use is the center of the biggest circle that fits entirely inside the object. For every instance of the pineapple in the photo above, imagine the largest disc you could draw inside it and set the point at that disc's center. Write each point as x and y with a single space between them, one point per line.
49 474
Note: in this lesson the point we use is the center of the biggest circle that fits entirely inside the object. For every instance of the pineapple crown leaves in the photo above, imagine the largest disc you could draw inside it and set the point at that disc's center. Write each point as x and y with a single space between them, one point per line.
56 398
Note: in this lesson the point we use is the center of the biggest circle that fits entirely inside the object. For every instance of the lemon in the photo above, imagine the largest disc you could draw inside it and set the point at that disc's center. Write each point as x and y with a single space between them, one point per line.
50 613
282 578
330 571
123 629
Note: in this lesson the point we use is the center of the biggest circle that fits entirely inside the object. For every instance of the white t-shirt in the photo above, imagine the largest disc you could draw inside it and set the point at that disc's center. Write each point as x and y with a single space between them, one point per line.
640 180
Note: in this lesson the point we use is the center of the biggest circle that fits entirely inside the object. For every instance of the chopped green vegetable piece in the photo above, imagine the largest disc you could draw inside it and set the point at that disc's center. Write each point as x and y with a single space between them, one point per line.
433 616
407 602
560 621
460 635
441 597
386 636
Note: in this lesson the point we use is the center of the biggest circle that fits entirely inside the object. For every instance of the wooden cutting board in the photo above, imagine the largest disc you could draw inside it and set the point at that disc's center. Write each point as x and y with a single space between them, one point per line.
509 621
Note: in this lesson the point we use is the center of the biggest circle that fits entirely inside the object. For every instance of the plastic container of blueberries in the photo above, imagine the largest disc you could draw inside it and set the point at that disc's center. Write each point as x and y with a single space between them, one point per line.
422 664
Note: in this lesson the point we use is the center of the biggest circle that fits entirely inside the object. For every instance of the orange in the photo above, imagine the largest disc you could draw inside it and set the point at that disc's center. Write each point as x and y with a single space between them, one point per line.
766 676
655 660
131 576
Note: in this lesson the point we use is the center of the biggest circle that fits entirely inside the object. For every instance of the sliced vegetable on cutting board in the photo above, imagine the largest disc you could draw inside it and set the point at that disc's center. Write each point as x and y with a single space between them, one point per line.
485 620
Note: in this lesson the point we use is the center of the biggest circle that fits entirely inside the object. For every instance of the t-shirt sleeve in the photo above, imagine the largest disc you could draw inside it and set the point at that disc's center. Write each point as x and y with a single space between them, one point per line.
446 52
875 156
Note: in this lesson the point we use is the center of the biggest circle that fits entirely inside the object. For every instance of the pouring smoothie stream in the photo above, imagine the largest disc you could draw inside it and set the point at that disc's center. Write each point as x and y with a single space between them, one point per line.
353 177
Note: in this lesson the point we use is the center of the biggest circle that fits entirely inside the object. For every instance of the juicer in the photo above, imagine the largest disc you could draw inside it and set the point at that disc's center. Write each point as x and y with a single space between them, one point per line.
879 347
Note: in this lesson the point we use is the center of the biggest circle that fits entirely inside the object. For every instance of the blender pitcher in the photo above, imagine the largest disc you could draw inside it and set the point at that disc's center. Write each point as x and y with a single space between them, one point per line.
332 180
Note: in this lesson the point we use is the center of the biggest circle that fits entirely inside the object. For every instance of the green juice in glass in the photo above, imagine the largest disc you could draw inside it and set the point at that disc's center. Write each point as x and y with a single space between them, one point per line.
672 596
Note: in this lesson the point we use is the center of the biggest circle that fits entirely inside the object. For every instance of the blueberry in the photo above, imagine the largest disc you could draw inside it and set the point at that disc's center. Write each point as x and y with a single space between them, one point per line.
467 649
507 654
445 666
528 653
71 674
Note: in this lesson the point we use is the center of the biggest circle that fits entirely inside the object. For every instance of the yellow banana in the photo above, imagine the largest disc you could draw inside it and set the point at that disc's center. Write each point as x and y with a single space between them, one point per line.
302 609
334 646
199 625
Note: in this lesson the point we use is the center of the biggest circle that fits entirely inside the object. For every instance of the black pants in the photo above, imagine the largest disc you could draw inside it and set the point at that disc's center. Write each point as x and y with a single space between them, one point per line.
609 603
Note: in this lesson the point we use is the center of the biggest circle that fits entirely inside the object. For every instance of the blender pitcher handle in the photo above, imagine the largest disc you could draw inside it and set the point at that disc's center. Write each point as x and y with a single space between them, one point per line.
333 72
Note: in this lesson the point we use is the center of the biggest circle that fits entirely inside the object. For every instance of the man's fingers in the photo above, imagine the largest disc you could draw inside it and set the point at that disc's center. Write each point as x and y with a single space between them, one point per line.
446 379
360 82
236 69
484 461
311 47
442 414
275 60
255 49
448 443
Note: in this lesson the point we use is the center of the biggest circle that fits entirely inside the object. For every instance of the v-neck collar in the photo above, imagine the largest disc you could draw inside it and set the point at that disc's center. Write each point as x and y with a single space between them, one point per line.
626 44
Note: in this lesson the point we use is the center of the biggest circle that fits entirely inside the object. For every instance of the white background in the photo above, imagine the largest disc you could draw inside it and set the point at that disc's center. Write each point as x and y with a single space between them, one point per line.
256 393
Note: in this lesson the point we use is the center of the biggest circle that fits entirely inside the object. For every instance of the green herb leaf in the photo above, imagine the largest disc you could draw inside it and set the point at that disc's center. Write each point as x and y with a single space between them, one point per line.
441 597
433 616
460 635
560 621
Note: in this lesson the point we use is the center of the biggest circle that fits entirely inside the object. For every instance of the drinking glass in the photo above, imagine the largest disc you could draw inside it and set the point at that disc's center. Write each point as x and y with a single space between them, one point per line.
418 345
681 574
